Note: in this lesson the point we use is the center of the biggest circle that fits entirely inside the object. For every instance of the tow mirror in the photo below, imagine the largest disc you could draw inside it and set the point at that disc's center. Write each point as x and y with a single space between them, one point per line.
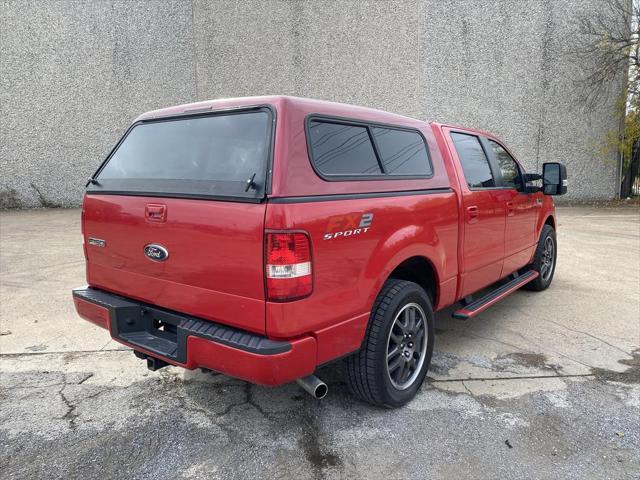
554 178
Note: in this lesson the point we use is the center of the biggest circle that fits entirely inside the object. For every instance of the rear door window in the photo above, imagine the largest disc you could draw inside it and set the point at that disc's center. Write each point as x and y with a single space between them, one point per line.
402 152
213 155
339 149
475 163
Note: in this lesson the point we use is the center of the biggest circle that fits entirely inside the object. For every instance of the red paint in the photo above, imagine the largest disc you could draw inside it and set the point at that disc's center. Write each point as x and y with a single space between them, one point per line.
92 313
215 269
263 369
349 271
342 337
500 232
218 254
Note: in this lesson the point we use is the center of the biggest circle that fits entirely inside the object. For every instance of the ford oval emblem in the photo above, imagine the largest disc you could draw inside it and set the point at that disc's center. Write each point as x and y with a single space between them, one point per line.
156 252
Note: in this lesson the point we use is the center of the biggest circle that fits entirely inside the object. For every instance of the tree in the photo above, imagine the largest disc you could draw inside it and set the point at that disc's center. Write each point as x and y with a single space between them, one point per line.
612 46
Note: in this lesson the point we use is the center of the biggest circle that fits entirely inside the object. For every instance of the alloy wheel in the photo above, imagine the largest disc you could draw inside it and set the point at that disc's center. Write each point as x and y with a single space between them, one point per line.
406 346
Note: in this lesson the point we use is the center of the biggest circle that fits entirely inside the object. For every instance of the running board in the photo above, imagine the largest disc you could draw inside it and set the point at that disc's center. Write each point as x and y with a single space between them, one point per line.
481 304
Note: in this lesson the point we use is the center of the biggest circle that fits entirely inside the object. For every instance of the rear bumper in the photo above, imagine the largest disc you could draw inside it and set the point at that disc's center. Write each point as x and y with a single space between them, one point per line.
191 343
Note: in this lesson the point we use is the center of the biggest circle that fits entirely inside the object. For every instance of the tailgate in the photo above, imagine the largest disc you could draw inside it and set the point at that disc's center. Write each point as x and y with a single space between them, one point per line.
213 255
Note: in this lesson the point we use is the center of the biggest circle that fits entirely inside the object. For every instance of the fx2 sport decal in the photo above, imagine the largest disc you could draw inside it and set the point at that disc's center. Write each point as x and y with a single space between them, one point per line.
348 225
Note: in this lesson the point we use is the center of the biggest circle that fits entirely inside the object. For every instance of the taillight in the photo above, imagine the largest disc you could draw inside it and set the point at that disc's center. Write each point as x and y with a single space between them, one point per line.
288 266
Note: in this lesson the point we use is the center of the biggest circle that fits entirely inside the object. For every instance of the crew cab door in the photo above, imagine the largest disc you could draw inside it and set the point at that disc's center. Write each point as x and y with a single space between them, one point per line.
522 208
483 216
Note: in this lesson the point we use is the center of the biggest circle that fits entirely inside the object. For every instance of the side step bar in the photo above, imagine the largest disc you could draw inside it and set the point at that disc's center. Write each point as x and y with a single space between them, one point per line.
481 304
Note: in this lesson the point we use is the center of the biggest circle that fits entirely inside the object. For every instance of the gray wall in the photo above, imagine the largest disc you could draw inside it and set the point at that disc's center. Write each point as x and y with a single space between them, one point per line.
74 74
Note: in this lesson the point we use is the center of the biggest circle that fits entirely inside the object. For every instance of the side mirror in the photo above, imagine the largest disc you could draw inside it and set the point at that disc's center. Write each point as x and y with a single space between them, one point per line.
554 178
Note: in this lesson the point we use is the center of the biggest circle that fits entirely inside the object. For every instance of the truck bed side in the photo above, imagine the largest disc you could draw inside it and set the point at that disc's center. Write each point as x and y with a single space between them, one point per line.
379 225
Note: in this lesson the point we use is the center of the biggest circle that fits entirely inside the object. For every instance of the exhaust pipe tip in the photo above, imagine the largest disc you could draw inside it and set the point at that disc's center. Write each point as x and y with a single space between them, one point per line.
313 386
321 391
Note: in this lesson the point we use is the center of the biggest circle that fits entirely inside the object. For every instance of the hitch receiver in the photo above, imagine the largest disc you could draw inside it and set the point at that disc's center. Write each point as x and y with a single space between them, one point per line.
153 363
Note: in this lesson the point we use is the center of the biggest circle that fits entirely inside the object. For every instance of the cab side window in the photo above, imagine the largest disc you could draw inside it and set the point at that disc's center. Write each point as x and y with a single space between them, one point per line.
509 169
475 163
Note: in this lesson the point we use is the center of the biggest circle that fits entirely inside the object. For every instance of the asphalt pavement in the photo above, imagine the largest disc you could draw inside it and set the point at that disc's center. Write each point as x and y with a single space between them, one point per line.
541 385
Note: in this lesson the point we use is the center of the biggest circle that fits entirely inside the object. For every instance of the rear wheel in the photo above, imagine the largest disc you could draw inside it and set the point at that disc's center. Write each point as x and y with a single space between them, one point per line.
391 365
544 260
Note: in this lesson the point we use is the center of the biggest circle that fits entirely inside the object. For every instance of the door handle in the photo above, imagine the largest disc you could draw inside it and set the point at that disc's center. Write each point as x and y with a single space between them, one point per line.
154 212
473 212
510 209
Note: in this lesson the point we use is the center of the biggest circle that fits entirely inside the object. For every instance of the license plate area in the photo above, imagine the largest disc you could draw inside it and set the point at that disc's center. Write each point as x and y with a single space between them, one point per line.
165 329
151 329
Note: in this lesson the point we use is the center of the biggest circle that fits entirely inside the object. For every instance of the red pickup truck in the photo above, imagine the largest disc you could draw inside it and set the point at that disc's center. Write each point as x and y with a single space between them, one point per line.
264 237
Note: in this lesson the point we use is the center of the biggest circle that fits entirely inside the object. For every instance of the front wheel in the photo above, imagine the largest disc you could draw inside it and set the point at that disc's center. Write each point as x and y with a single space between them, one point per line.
544 260
391 365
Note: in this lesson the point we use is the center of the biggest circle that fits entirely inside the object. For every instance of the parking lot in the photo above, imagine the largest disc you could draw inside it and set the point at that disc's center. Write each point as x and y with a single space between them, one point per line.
542 385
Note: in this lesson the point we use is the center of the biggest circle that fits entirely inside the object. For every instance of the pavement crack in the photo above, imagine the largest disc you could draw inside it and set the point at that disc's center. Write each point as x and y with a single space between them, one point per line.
560 325
228 409
251 401
105 345
528 340
71 415
87 377
187 405
66 352
474 335
595 337
466 388
519 377
545 349
64 383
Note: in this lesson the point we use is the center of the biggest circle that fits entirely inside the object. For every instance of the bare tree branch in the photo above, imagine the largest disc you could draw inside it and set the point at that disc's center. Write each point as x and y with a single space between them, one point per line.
608 46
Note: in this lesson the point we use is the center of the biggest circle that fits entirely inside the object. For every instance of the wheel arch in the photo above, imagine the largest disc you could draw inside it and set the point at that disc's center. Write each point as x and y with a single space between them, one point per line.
415 253
550 221
420 270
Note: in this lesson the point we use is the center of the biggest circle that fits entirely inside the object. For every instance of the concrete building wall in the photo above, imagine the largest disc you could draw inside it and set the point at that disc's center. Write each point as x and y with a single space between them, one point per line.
74 74
512 73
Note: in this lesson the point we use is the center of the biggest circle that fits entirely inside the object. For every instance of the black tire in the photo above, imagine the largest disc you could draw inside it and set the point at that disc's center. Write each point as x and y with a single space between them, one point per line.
541 260
367 370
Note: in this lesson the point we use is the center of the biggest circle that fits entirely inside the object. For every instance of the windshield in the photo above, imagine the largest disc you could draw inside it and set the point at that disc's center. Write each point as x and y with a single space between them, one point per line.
214 155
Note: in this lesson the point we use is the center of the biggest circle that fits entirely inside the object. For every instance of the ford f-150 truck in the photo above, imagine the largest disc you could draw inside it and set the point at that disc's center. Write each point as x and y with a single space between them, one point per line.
265 237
